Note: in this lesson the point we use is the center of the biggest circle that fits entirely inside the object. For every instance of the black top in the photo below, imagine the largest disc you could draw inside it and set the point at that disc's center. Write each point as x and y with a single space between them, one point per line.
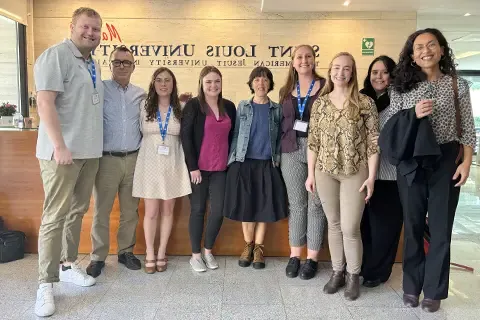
192 129
306 112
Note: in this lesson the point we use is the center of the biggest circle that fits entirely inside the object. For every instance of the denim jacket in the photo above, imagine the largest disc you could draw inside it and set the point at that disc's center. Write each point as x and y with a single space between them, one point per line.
241 134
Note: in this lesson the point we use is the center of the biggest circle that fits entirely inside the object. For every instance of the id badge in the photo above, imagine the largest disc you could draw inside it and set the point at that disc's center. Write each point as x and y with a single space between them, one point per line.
163 150
96 98
301 126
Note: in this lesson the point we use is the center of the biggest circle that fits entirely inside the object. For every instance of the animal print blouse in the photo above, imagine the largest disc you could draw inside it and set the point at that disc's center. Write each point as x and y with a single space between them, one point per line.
343 143
443 115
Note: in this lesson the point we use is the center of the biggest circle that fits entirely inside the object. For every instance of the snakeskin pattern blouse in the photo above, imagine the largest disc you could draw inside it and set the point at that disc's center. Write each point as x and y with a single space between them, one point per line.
343 142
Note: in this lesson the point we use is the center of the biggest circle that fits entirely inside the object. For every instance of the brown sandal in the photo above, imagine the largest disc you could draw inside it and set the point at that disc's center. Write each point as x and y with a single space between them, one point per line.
149 270
161 268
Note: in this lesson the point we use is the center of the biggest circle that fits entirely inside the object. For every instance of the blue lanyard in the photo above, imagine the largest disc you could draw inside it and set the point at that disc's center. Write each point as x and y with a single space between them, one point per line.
163 131
301 106
93 72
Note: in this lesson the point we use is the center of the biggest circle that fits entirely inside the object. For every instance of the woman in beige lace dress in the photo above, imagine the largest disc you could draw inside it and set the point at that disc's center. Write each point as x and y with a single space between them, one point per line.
161 174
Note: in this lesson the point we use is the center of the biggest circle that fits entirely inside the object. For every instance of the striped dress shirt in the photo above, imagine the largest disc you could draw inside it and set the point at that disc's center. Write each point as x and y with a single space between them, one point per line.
121 117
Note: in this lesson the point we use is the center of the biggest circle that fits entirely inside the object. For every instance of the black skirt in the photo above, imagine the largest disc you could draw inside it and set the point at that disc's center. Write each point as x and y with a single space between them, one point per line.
255 192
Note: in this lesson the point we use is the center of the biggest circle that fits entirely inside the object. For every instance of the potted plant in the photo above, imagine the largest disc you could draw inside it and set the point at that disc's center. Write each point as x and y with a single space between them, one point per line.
7 110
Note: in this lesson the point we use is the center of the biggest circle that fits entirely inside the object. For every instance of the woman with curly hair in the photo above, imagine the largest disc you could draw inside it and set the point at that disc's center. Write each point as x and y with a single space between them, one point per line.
426 84
161 175
382 218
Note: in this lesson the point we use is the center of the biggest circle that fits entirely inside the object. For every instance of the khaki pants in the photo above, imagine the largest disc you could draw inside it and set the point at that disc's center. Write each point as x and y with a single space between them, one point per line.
68 189
343 206
115 175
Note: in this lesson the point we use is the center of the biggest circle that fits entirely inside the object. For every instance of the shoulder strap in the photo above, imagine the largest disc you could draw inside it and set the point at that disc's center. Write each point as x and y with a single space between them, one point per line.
457 106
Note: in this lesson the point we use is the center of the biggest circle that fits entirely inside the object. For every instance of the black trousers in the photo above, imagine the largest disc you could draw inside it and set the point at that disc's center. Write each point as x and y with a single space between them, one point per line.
211 188
433 192
381 228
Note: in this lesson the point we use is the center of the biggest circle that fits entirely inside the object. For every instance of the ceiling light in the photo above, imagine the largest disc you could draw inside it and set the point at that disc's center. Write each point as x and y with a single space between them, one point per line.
465 15
346 3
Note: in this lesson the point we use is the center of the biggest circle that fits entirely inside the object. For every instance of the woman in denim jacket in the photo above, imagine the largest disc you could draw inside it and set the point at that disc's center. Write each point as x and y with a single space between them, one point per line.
255 191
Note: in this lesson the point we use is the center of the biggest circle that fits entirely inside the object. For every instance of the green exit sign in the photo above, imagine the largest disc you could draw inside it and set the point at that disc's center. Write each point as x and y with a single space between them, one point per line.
368 46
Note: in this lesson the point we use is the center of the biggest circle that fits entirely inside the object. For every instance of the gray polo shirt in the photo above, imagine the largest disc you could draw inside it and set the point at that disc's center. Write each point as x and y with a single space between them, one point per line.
62 68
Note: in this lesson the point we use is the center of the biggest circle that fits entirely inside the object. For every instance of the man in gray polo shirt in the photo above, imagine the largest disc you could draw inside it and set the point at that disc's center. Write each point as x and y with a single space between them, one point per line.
70 136
121 141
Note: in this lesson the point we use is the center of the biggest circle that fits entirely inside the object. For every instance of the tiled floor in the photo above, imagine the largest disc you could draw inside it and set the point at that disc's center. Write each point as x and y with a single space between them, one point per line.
467 218
230 292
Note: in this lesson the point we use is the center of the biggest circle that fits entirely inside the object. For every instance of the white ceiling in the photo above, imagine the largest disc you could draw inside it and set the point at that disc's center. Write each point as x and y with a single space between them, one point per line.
420 6
463 33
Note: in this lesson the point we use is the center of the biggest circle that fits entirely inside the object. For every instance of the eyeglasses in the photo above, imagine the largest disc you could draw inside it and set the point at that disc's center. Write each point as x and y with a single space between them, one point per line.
126 63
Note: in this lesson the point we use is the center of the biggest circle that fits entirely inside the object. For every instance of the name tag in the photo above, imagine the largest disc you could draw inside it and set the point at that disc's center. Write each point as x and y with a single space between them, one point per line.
163 150
301 126
96 98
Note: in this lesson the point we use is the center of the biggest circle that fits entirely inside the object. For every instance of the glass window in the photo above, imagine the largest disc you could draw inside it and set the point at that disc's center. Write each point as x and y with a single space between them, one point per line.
9 64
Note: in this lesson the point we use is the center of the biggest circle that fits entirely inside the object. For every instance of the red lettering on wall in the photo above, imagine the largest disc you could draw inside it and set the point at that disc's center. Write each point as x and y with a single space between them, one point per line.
112 33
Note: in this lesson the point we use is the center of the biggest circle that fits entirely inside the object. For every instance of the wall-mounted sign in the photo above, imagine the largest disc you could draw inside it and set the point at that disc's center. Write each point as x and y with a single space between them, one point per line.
368 46
197 55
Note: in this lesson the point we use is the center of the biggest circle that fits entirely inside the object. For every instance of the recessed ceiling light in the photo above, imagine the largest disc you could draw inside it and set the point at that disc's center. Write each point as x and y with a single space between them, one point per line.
346 3
467 14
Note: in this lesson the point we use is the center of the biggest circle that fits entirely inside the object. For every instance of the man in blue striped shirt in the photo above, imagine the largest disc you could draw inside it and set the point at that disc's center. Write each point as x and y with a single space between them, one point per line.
121 141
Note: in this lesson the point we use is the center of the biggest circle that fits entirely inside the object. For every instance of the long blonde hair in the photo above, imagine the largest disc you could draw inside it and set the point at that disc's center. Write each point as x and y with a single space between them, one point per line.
353 95
292 76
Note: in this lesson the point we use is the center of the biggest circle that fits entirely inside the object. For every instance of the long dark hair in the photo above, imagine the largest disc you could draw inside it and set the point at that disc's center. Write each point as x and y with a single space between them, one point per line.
367 84
201 95
408 74
292 76
151 103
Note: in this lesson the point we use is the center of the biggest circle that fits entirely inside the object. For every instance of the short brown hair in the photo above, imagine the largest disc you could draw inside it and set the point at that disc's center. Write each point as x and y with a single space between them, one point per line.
260 72
89 12
121 48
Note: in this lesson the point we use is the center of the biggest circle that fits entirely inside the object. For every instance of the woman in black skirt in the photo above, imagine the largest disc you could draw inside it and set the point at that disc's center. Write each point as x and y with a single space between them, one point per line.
383 217
255 191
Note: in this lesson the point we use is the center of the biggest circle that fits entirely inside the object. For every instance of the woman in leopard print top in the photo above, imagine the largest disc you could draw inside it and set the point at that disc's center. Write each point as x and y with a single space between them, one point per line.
424 81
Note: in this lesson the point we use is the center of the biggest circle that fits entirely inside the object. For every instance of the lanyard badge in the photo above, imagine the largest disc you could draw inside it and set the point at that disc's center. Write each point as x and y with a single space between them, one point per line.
93 74
301 125
162 149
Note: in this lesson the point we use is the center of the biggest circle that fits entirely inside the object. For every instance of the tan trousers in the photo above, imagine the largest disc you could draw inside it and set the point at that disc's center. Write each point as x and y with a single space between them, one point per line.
115 175
68 189
343 206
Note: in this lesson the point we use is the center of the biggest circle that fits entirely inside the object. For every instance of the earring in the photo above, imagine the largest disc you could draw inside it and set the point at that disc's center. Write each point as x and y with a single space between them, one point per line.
413 64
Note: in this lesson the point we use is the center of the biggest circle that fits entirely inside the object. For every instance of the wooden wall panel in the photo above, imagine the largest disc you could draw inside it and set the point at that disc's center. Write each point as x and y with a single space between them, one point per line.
226 22
203 23
21 201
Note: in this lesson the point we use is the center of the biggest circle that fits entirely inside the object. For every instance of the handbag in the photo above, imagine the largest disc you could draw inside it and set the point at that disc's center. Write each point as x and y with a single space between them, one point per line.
12 246
457 117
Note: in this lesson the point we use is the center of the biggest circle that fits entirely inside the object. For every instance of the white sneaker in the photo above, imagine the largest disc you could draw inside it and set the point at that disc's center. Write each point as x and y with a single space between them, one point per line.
76 276
45 305
198 265
210 261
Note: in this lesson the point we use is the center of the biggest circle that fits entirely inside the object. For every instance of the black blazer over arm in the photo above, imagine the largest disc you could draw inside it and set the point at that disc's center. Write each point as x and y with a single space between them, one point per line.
409 143
192 130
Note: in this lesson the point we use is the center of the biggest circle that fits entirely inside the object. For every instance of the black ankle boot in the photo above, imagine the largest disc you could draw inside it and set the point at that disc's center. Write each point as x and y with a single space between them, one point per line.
337 280
352 289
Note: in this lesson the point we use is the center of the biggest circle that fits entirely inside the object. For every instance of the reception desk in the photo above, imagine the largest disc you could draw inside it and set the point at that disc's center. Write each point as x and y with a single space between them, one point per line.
21 201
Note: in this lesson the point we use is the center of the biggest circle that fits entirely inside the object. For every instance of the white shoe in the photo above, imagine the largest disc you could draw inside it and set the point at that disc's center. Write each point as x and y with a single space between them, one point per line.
210 261
198 265
76 276
45 304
